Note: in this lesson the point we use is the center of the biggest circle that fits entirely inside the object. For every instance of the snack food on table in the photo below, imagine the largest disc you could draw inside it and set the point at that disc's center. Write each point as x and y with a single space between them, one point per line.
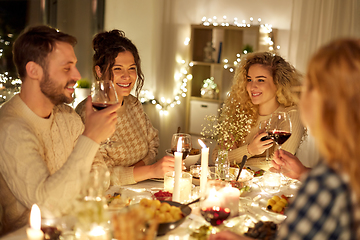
277 204
162 211
262 230
194 151
134 225
116 201
163 195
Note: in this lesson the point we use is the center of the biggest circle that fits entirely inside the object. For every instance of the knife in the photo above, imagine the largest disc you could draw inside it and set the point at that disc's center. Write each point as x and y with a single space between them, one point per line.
241 166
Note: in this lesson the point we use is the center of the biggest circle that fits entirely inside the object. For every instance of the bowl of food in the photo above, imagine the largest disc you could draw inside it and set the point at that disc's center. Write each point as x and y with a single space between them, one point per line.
191 159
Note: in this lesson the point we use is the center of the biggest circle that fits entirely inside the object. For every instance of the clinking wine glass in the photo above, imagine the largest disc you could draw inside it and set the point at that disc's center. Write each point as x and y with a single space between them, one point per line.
185 143
213 205
279 129
263 126
104 95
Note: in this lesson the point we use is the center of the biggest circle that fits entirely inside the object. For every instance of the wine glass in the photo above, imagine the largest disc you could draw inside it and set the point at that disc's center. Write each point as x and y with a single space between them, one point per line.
213 205
185 143
279 128
104 95
263 126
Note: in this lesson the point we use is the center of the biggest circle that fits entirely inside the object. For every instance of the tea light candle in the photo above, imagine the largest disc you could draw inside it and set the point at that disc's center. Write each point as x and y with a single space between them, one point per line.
178 164
34 231
204 166
97 233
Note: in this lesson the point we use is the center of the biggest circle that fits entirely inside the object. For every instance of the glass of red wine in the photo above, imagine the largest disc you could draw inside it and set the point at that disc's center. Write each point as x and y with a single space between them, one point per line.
263 127
279 128
185 143
213 204
104 95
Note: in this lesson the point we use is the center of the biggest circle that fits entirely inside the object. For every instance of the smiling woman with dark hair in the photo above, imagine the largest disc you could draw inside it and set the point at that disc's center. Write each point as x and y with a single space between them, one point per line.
134 158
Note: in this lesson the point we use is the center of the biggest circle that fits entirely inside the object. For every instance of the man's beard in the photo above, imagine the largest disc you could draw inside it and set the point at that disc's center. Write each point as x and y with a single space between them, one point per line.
54 91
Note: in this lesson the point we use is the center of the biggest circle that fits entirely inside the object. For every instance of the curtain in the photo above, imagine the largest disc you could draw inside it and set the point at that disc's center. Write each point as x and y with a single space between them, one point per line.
317 22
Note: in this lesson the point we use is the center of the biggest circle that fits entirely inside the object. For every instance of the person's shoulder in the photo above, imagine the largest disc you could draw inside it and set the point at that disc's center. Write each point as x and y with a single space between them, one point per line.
132 100
293 108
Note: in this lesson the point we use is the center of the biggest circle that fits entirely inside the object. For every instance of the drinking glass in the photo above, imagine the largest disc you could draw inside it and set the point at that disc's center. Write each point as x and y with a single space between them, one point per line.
279 128
185 143
185 185
213 205
263 126
104 95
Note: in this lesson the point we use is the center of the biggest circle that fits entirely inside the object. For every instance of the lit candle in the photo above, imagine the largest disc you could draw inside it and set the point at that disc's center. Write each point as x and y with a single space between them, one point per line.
204 166
34 231
97 233
178 163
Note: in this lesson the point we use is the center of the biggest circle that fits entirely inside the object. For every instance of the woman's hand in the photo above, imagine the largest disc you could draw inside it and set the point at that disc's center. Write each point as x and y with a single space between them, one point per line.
289 165
162 166
258 146
227 235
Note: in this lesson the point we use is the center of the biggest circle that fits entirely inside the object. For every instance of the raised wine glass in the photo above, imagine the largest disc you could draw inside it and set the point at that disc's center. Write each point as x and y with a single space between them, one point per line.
213 205
185 143
263 126
103 95
279 128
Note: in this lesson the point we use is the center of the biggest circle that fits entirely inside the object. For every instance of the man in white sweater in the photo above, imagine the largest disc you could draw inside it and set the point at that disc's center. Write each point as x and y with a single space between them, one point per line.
45 149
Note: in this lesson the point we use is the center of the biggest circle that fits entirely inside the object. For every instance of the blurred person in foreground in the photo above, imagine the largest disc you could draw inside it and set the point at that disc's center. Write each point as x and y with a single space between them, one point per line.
133 158
44 146
327 205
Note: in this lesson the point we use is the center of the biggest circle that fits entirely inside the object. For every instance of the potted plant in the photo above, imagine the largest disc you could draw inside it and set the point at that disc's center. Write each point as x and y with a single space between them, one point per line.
82 90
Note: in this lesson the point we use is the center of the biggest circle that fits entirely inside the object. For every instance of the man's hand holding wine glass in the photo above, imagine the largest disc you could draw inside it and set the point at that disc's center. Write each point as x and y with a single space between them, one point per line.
100 125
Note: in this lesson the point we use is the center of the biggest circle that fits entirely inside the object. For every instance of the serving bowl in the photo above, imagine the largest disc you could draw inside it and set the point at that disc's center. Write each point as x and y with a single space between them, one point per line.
164 228
189 160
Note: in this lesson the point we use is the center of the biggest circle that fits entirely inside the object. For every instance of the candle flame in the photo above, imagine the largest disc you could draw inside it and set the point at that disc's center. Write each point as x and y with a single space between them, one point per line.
202 143
35 217
179 145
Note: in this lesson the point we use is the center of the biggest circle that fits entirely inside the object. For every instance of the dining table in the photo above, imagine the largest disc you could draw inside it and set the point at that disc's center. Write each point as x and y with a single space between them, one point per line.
252 208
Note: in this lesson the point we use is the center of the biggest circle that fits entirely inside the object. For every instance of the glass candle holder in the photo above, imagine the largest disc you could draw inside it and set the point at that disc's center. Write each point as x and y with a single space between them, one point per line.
185 185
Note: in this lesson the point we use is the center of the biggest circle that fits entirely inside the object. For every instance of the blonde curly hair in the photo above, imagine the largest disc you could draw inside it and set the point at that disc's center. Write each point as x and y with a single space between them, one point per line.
285 77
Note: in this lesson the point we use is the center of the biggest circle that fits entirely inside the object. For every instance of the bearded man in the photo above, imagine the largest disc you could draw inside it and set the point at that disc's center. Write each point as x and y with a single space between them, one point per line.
44 146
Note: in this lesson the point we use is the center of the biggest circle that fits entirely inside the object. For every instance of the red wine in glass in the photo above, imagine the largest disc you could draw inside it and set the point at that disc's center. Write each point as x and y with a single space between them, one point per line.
215 215
100 106
279 136
185 152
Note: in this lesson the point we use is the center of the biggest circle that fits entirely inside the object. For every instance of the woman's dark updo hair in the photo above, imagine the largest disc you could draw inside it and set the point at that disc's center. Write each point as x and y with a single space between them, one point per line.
107 46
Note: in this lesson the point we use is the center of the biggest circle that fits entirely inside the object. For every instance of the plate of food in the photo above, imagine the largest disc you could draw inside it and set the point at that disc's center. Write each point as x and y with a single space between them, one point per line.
151 217
277 204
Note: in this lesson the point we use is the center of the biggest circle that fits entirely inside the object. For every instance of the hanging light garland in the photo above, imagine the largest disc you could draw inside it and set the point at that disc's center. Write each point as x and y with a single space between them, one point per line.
147 97
8 85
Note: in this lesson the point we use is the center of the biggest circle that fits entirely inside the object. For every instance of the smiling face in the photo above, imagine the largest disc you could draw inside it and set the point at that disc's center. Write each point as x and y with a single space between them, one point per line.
261 89
60 74
125 74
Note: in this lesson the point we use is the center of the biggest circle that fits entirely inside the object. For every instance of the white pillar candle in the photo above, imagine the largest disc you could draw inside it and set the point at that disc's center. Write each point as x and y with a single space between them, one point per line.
204 167
34 231
178 165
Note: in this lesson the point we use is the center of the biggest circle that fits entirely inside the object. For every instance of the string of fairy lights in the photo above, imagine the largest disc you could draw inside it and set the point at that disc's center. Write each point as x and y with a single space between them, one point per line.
8 84
184 74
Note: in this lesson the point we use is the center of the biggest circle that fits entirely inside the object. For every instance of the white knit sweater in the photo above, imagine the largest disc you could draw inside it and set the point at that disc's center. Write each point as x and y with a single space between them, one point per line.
41 161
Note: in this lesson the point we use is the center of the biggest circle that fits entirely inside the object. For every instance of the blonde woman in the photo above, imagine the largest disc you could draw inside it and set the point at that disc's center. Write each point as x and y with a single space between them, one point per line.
262 86
327 205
